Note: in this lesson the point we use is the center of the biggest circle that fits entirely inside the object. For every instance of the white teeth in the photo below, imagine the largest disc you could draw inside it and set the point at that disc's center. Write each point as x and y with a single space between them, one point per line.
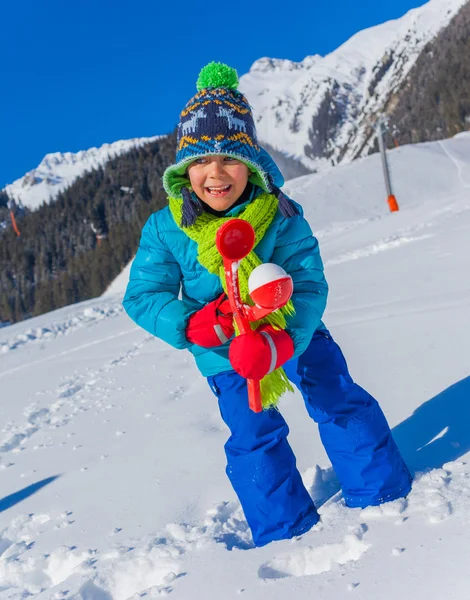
218 189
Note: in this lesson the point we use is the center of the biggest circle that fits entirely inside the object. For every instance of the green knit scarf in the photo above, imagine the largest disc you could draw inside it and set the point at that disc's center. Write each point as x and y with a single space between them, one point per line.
260 213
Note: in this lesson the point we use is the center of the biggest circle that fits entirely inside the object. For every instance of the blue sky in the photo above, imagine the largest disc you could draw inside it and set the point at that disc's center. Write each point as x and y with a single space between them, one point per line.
78 74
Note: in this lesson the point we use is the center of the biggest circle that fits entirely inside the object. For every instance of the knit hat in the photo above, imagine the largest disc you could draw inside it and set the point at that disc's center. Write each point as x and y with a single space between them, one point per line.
218 121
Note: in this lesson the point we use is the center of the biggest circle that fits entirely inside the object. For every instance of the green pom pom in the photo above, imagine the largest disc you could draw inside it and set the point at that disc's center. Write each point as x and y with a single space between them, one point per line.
217 75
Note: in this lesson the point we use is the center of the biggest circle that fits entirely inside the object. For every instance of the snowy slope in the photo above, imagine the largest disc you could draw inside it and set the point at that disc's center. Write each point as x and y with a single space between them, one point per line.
321 109
112 462
57 171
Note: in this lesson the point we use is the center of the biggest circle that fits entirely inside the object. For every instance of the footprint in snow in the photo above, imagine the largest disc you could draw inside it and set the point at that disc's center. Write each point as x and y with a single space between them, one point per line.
226 524
315 560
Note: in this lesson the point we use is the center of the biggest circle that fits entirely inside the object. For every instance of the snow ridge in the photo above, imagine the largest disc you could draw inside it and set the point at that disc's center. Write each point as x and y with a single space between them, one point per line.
57 171
321 110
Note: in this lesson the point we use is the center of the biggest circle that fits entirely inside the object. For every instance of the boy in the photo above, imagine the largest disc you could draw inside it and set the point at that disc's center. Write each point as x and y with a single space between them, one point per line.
221 172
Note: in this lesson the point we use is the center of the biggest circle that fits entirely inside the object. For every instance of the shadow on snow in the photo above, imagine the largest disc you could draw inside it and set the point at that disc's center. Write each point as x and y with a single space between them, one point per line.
438 431
12 499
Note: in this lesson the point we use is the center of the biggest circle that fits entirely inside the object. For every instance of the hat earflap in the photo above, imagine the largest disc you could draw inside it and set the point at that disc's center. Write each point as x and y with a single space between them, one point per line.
286 206
192 208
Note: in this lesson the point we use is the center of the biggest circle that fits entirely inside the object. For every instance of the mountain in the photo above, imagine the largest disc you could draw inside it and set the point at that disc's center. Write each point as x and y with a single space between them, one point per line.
321 110
71 249
111 443
434 100
57 171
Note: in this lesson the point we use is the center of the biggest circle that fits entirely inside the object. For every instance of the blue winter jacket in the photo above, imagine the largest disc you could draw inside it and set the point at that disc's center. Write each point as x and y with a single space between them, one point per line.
166 264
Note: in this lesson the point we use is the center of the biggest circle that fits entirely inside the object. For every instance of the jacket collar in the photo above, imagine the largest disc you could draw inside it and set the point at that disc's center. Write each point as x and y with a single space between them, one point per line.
236 210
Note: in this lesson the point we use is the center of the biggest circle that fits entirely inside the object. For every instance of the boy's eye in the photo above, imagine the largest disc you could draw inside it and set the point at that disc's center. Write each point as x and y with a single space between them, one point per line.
200 161
230 159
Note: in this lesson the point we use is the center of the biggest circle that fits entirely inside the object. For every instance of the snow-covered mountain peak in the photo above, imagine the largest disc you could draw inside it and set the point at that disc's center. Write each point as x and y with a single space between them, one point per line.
375 42
310 61
58 170
281 65
320 110
274 65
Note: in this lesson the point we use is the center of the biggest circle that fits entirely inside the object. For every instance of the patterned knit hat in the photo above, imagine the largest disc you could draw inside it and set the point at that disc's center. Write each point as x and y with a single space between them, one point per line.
218 121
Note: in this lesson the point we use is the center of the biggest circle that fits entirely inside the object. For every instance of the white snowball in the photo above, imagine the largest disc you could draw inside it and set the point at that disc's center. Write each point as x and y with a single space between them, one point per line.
263 274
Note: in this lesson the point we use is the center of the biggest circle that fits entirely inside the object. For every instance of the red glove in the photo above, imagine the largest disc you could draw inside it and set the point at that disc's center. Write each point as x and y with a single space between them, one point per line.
212 325
254 355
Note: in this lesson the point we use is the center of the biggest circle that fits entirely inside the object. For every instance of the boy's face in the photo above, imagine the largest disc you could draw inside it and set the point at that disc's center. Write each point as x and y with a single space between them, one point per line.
218 180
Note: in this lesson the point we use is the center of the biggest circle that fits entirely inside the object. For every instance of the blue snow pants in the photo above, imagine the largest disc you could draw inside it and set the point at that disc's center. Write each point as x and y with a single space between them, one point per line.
261 465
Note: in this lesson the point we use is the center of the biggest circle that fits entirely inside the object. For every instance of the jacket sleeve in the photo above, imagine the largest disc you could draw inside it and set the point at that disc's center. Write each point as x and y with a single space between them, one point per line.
151 298
297 251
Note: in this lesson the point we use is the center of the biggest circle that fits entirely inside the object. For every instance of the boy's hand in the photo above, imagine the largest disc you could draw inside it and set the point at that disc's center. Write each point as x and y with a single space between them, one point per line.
212 325
254 355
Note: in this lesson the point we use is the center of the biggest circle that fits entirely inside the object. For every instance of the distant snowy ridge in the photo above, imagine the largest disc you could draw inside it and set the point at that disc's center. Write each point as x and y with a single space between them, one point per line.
57 171
321 110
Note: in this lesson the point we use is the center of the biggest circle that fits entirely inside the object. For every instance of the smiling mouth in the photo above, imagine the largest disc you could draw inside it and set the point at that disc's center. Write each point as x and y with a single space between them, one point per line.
219 191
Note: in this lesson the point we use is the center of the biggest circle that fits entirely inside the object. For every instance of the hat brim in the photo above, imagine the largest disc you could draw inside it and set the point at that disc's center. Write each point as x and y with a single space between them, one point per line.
261 171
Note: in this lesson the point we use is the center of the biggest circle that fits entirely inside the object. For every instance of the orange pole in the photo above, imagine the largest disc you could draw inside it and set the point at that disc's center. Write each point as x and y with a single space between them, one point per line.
392 203
13 222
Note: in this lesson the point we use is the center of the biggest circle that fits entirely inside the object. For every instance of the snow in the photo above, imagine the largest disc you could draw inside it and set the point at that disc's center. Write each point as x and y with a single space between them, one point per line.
111 444
57 171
